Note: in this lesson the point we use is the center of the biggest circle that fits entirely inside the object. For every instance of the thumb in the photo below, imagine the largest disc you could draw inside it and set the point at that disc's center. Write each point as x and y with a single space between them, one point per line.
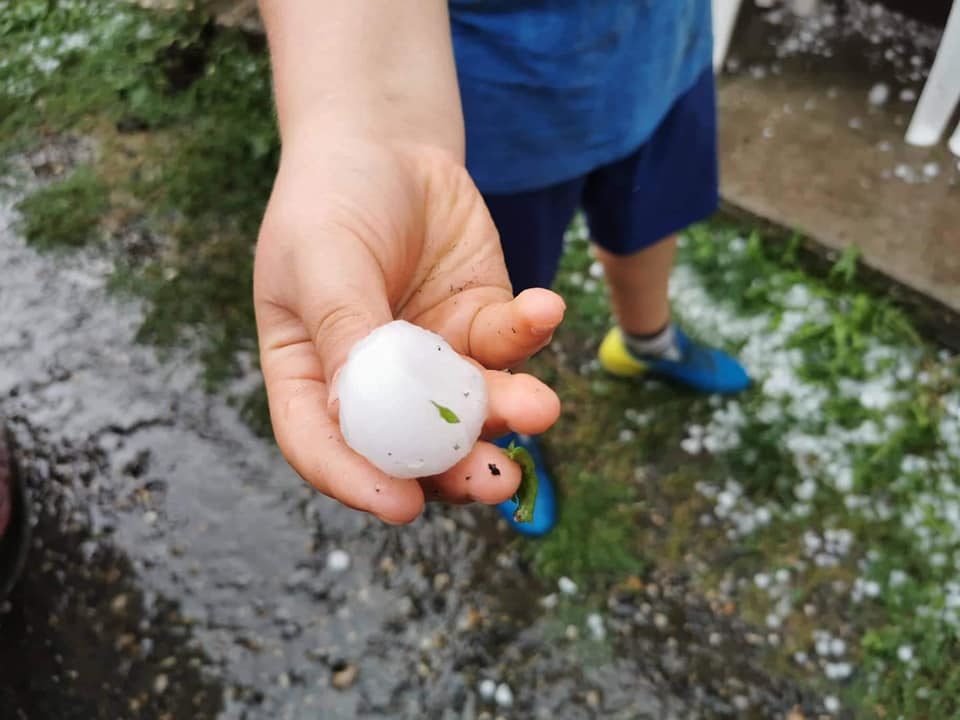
341 298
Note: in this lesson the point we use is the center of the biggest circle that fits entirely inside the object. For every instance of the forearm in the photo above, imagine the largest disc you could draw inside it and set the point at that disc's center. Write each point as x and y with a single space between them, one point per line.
381 67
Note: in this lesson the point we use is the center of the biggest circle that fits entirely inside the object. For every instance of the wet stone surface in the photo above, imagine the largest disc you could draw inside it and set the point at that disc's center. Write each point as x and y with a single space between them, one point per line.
814 104
180 569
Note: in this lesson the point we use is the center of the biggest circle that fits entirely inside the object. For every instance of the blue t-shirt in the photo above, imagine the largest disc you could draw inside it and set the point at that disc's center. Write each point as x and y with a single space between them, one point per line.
552 89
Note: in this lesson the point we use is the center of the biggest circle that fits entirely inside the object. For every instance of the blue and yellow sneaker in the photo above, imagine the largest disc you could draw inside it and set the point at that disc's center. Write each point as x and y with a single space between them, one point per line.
696 366
545 510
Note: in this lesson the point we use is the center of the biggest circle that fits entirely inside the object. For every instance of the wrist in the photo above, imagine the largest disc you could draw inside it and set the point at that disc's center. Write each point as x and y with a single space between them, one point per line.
323 132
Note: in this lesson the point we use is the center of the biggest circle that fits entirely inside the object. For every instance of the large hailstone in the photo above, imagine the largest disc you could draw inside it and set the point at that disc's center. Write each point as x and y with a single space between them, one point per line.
409 403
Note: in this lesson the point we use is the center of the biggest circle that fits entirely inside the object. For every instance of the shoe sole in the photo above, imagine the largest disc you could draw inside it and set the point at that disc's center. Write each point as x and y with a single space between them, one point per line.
16 540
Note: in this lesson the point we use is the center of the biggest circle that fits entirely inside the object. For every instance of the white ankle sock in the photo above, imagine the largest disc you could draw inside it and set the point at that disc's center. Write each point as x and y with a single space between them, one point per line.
661 345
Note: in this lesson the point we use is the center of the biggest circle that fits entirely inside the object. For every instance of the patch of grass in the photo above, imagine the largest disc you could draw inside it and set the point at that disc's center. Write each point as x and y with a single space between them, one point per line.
182 116
595 539
66 213
836 474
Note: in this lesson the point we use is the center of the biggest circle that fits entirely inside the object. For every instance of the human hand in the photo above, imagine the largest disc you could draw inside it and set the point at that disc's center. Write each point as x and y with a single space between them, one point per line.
362 231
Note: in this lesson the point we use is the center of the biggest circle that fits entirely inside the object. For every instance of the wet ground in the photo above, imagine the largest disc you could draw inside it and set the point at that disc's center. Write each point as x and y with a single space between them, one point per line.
814 108
179 569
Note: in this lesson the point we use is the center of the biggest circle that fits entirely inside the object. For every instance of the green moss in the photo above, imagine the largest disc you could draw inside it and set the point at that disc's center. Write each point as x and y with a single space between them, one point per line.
66 213
182 116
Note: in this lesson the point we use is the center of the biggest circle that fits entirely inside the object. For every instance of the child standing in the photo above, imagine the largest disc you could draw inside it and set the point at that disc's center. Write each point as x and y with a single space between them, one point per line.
549 105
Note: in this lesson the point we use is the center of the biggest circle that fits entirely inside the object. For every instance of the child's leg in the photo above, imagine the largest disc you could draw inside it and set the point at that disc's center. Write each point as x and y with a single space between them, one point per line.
636 206
638 286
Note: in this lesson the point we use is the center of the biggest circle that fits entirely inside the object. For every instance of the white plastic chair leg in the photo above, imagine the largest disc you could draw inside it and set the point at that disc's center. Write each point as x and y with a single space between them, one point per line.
942 89
724 19
955 142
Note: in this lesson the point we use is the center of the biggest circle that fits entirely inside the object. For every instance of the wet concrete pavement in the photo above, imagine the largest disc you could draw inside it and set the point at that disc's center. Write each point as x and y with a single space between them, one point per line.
803 145
179 569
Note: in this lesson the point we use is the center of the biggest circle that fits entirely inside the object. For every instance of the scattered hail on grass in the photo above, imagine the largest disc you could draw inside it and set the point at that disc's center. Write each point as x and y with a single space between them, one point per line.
851 439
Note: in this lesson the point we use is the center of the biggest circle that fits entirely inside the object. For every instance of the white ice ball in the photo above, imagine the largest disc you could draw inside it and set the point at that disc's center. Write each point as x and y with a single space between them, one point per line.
409 403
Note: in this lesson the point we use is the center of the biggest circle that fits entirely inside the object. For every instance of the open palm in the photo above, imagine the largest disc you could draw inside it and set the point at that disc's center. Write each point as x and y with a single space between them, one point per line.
369 232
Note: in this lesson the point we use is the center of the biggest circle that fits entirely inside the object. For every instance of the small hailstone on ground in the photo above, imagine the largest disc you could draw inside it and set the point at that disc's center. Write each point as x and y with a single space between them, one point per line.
626 435
931 169
409 403
805 490
338 560
503 696
589 285
904 172
487 689
160 684
822 645
595 625
837 647
879 94
761 580
908 95
905 653
838 670
566 585
549 601
596 269
843 480
831 704
897 578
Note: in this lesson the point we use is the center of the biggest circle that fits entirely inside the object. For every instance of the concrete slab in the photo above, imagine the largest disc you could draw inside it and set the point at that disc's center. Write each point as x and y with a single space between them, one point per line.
813 108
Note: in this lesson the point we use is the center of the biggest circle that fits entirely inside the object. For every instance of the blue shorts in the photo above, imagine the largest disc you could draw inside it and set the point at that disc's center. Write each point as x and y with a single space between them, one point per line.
667 184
